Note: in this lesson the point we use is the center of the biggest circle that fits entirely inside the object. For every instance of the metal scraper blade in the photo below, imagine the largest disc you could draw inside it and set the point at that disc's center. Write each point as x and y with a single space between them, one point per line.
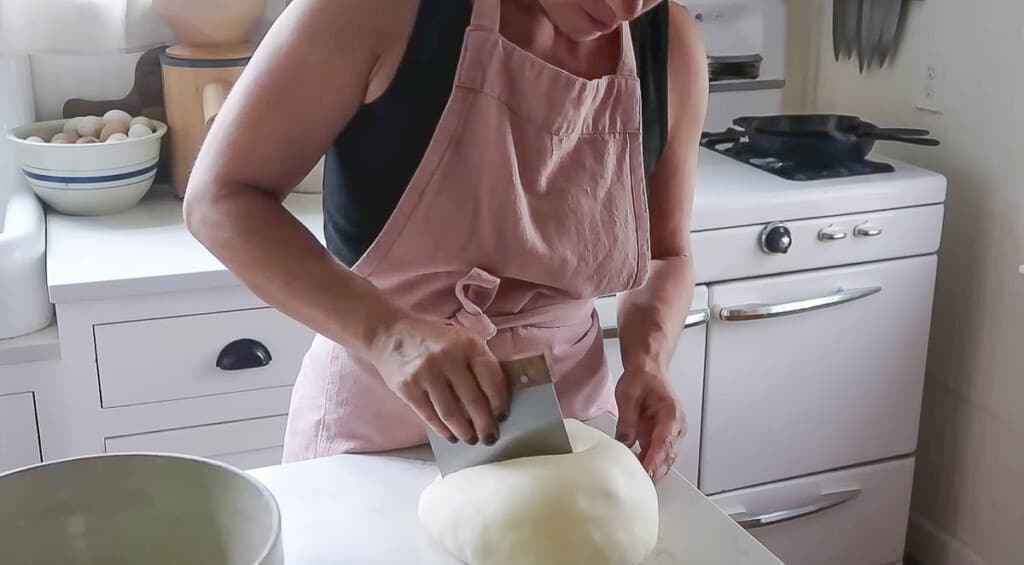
534 426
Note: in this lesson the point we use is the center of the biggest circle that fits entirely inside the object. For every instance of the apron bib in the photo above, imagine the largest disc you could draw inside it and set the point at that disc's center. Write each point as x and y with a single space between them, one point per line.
529 202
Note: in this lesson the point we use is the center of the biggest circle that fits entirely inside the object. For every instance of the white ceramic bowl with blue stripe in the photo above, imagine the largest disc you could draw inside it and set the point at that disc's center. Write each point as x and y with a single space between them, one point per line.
87 179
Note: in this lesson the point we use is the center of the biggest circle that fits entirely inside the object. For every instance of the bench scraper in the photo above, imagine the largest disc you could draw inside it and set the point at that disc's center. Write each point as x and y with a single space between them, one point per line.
534 425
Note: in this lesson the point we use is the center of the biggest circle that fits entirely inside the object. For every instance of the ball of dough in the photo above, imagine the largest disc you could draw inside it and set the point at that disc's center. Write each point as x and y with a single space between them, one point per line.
596 506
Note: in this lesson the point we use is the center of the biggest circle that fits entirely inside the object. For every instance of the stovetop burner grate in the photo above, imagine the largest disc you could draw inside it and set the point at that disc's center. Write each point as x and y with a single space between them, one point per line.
788 169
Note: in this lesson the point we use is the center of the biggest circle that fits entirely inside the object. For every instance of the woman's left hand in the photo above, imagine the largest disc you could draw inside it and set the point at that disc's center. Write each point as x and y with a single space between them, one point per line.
651 414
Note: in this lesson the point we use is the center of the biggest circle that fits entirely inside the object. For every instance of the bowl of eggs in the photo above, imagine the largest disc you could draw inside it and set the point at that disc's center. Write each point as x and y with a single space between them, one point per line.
92 165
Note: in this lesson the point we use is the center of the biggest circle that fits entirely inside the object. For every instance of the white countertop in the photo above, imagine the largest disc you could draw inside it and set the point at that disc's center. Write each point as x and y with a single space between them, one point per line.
148 249
362 509
145 250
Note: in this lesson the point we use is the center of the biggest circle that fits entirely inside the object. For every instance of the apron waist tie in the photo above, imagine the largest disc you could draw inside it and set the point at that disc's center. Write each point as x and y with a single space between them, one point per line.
476 292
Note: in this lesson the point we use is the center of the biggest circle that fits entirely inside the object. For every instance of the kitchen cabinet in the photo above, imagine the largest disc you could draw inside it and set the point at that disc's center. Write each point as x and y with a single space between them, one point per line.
686 371
247 444
19 434
190 356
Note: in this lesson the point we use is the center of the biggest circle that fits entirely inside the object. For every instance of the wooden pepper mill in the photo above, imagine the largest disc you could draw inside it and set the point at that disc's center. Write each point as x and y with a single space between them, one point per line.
199 72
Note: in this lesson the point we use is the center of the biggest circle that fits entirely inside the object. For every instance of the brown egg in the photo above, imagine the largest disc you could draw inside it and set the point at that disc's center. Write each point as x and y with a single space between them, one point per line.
112 127
86 139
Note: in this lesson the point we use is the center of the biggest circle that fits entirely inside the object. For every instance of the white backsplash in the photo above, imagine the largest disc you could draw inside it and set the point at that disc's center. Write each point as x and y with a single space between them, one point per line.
96 76
57 78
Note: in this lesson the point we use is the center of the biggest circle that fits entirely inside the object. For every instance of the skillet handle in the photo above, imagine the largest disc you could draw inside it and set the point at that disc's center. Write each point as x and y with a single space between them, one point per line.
904 132
924 141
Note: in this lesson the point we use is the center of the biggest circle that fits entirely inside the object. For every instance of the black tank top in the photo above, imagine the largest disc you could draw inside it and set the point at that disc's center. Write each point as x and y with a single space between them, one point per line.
374 157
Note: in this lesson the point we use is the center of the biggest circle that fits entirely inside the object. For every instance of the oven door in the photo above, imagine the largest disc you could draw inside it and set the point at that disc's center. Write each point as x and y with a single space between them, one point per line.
814 371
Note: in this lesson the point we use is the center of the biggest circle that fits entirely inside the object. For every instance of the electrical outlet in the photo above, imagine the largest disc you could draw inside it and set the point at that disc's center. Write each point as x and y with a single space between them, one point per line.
932 82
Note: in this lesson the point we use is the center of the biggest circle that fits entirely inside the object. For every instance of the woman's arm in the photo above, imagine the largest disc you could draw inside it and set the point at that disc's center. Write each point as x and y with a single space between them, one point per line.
321 60
652 317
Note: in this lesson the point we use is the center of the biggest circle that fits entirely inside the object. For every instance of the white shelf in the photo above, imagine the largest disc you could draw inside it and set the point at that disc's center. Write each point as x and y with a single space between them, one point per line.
43 345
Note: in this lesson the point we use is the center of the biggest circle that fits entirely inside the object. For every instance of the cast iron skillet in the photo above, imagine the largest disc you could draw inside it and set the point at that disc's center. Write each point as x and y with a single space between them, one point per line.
822 138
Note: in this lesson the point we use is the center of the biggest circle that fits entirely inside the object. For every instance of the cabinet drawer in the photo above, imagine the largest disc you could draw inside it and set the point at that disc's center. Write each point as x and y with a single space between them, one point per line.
686 371
19 436
247 444
851 517
814 371
186 357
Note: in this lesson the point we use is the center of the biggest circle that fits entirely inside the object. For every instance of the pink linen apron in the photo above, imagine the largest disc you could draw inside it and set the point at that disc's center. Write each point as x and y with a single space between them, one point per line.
529 202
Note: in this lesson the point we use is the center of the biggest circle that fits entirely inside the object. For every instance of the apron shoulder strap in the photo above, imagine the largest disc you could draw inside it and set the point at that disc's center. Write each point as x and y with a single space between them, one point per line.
486 14
627 64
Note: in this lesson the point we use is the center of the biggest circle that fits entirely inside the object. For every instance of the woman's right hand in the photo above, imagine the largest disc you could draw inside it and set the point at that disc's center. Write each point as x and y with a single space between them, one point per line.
447 375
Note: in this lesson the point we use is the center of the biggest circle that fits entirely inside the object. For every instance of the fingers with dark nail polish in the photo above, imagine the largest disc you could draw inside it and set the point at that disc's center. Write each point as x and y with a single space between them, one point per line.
491 438
473 440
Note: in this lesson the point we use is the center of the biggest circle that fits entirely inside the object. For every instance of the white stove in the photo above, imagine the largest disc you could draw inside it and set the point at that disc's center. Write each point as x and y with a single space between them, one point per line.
803 371
726 188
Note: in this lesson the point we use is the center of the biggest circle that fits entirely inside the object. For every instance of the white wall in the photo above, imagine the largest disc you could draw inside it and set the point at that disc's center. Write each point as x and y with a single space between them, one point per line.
107 76
15 109
969 490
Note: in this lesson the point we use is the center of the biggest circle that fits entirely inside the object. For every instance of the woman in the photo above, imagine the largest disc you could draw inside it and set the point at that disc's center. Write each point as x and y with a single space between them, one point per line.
492 168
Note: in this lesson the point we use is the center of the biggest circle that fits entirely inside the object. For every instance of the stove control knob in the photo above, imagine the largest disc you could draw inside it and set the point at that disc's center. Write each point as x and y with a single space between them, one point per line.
776 238
832 233
867 229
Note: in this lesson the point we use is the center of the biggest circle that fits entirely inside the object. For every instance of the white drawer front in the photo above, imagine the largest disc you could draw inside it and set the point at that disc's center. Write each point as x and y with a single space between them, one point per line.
247 444
19 436
175 358
817 389
686 373
869 528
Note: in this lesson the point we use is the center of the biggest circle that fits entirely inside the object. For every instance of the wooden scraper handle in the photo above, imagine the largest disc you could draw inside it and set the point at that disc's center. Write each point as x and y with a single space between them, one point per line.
527 371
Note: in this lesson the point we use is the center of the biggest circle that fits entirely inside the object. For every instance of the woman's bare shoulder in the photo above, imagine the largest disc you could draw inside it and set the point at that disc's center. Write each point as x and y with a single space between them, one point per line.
686 44
377 26
688 68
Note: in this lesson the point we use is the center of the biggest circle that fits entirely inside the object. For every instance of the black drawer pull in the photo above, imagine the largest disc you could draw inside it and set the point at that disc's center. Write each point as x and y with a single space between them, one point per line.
243 354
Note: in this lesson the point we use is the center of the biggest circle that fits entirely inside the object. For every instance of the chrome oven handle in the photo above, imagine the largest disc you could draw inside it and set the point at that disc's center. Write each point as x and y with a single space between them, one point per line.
693 319
757 311
697 318
829 500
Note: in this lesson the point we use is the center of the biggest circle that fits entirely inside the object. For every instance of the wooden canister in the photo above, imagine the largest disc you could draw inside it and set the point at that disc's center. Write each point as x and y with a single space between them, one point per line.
194 89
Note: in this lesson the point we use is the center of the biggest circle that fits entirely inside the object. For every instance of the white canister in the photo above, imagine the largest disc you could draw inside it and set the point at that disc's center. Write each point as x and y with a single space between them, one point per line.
24 303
